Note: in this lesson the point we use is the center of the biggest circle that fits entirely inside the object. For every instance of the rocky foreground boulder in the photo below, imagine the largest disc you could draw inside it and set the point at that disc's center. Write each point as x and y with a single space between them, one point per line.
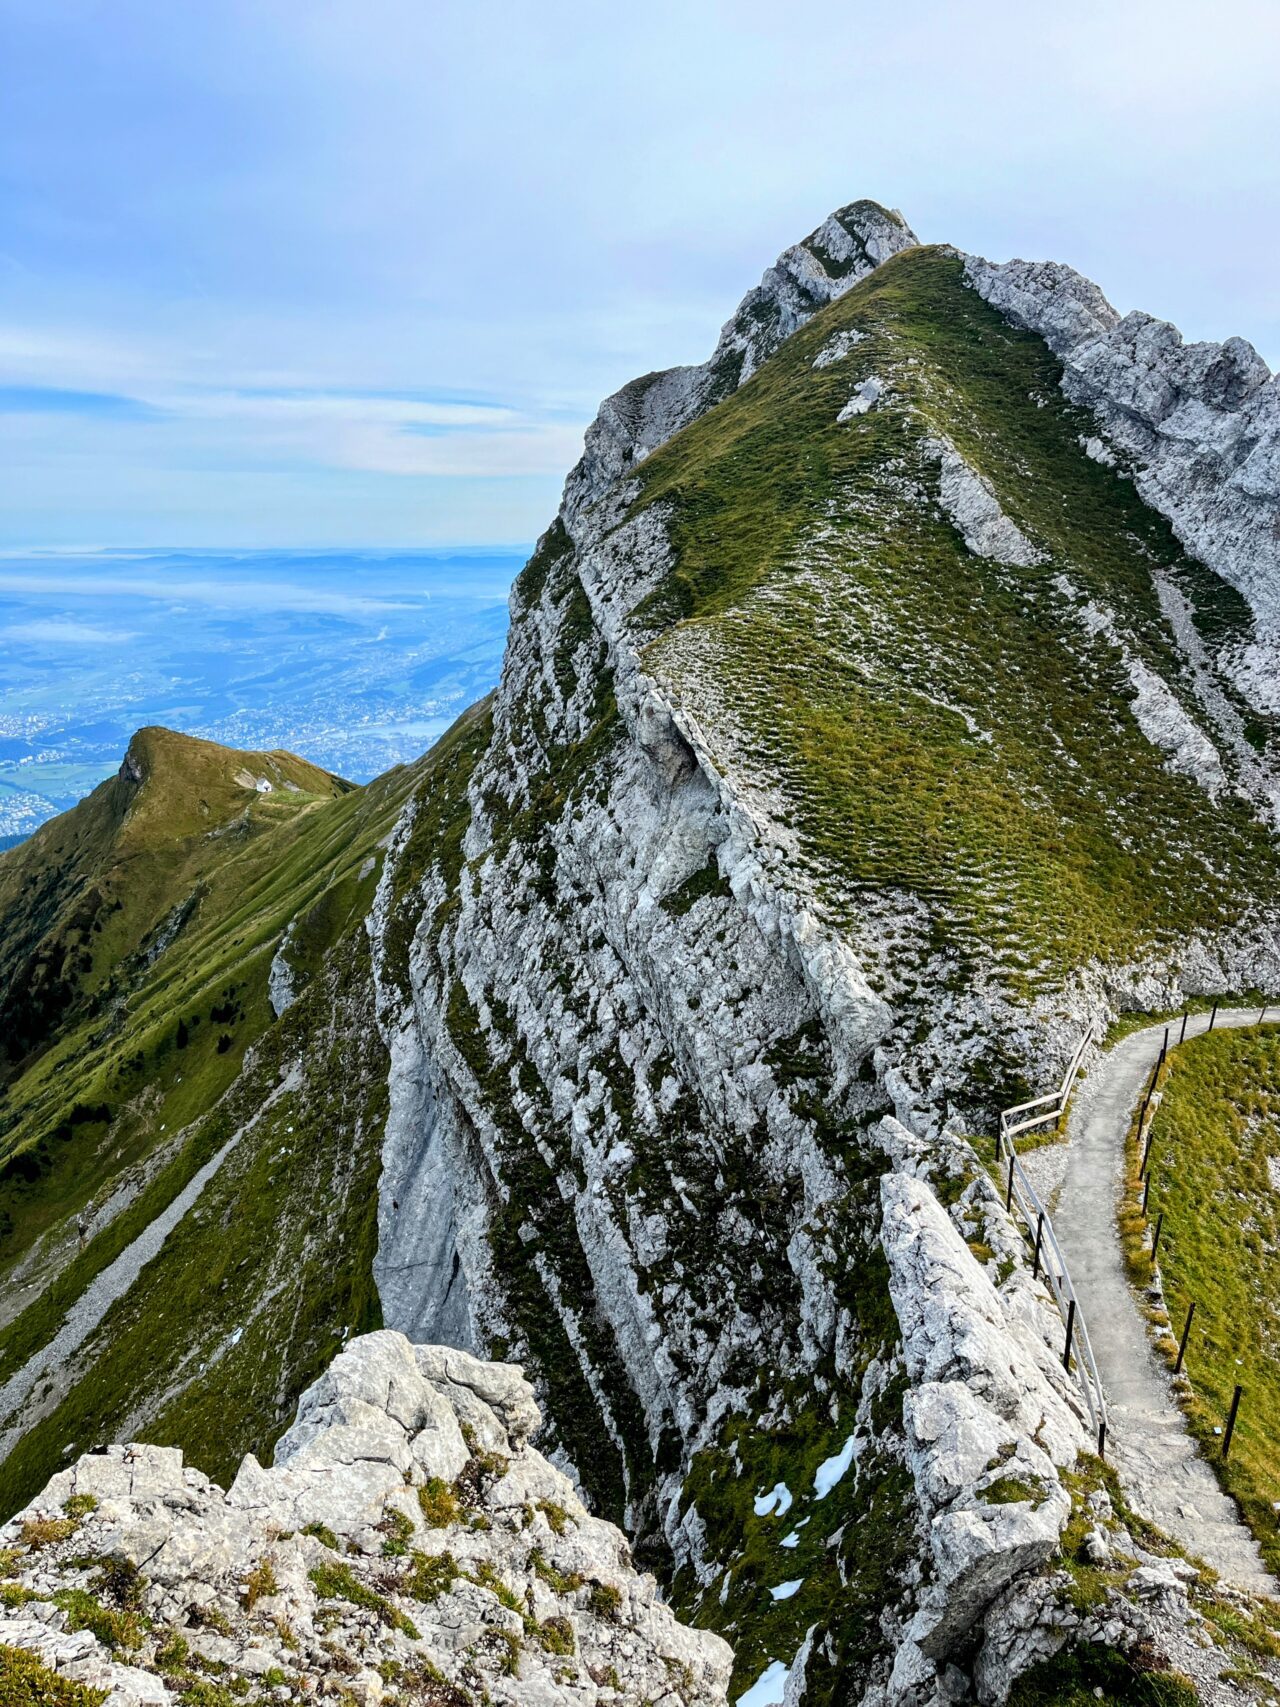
407 1546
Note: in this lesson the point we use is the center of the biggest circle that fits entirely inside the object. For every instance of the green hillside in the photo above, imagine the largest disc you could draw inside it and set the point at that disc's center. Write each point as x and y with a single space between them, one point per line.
148 916
936 722
163 1045
101 885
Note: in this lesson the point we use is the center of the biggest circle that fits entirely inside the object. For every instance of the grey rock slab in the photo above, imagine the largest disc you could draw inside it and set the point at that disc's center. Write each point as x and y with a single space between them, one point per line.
986 1404
384 1418
970 501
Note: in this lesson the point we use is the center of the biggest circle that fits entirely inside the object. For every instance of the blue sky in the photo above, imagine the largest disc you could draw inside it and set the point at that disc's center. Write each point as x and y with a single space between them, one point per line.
356 272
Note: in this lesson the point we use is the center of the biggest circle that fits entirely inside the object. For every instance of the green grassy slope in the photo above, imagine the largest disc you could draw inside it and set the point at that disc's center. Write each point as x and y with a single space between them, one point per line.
256 1289
97 886
167 1046
935 722
174 987
1215 1164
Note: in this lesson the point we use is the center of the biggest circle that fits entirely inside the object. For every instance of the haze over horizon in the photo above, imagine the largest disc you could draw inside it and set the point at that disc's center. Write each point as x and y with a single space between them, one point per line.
293 276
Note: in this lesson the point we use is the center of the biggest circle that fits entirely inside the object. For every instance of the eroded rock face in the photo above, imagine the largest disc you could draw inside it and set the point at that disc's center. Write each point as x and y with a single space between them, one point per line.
1197 426
989 1418
408 1545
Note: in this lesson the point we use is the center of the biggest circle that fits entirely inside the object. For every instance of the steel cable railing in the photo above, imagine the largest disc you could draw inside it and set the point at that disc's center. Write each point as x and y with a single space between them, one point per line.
1022 1117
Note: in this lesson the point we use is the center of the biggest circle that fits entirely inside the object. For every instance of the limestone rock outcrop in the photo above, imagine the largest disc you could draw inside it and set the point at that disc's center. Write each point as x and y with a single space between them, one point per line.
989 1418
1197 425
407 1546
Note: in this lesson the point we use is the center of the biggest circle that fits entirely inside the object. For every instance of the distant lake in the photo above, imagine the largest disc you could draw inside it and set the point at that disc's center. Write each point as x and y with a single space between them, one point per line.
356 660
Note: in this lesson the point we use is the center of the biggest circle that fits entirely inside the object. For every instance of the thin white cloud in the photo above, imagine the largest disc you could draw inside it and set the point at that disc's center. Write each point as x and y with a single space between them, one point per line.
227 595
371 432
322 406
541 449
56 631
387 435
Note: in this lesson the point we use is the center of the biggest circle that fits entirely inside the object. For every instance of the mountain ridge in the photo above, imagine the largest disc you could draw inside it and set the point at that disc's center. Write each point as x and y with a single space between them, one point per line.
865 731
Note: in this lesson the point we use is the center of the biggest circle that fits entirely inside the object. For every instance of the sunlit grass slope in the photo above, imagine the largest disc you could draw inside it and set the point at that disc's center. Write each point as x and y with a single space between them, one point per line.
193 875
168 1048
932 726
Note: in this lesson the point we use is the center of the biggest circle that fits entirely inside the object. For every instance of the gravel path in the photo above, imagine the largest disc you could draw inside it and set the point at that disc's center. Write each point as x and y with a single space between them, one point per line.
1147 1440
108 1286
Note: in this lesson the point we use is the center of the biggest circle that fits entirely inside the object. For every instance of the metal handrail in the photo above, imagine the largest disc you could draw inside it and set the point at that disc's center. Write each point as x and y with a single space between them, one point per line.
1039 1226
1035 1102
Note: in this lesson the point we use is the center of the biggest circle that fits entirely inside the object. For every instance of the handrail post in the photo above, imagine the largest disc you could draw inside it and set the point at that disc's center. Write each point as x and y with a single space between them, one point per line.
1155 1240
1182 1034
1231 1421
1186 1334
1146 1101
1071 1323
1046 1248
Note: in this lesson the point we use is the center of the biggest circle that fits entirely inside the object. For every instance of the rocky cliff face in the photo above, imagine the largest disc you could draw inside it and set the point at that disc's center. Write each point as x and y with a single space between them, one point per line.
862 734
1197 425
408 1546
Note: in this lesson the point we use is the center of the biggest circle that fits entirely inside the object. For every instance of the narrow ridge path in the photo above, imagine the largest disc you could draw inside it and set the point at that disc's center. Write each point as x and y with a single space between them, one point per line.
1148 1441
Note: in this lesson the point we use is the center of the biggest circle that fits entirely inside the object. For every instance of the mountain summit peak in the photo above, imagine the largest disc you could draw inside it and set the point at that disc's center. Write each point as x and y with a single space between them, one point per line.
849 244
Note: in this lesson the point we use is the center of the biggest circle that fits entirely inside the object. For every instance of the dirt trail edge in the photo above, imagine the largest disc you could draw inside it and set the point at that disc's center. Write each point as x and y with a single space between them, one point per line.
1148 1442
103 1291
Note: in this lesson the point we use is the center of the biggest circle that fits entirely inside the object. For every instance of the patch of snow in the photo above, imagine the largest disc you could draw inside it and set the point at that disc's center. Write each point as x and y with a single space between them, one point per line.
830 1471
775 1502
784 1591
767 1689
